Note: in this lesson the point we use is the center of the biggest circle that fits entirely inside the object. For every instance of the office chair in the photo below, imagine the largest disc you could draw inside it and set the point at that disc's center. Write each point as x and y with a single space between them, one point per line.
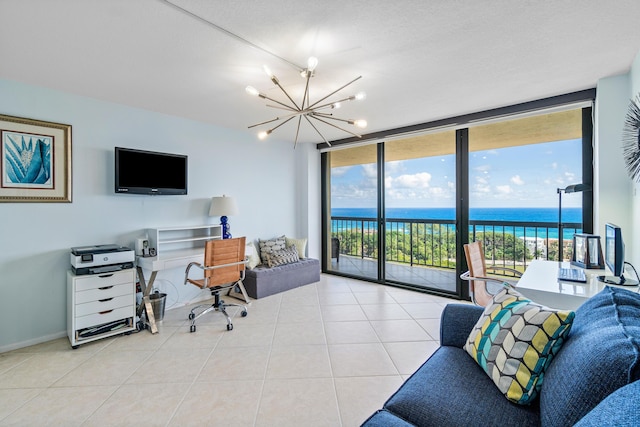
477 275
224 267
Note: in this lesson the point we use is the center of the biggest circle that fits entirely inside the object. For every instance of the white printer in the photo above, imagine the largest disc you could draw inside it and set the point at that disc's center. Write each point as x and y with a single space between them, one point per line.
100 259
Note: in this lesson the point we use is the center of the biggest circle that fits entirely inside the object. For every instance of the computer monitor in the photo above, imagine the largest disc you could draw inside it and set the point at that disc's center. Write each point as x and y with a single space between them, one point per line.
614 257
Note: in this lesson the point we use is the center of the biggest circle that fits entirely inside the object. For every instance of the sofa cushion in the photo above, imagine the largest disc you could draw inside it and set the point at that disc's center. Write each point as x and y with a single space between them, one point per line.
271 245
300 244
619 409
514 342
384 418
450 389
283 256
601 355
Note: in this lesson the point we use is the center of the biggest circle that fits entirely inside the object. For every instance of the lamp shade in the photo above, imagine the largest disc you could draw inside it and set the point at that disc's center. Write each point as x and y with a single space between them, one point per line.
223 206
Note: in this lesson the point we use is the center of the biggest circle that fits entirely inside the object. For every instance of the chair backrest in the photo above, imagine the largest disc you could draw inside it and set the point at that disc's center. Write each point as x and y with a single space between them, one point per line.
222 252
477 268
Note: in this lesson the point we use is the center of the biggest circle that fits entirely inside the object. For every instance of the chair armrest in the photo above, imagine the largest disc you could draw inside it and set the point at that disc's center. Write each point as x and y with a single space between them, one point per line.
186 272
456 323
510 270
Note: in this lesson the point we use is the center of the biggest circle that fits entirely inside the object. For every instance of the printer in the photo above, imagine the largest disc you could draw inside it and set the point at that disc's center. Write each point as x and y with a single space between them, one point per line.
99 259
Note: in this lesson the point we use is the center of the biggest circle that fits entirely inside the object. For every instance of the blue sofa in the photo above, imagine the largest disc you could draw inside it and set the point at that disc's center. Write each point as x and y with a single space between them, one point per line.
592 381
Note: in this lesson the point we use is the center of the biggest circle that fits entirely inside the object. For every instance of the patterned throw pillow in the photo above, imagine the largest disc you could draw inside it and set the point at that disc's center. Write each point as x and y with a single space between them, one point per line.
514 342
268 246
301 245
284 256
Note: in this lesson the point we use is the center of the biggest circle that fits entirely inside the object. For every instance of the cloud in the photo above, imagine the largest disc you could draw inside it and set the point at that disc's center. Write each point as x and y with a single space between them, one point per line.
504 189
370 170
418 180
340 171
517 180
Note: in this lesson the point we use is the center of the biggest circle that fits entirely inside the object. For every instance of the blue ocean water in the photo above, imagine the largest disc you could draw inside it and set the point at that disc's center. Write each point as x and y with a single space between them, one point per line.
549 215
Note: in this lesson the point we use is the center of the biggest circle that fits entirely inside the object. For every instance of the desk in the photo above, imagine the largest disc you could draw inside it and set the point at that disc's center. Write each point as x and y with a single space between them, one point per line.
164 261
540 283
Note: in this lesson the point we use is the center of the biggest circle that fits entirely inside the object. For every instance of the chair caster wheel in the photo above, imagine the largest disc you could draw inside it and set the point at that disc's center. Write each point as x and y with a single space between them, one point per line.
229 327
75 347
192 328
191 316
244 313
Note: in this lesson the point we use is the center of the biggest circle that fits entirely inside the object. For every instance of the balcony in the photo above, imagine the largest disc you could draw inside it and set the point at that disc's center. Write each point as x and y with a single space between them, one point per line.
423 252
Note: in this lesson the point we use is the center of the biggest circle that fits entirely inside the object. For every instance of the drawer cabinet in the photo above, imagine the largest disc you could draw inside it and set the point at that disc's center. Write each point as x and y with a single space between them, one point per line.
100 306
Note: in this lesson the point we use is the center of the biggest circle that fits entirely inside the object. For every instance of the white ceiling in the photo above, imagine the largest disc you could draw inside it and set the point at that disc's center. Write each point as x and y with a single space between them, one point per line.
421 60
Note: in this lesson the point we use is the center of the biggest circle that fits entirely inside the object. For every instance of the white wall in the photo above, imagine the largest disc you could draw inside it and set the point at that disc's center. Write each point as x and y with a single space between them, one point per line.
616 195
635 213
35 237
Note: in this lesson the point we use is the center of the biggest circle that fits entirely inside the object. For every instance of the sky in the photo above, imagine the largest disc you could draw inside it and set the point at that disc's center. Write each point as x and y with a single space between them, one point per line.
524 176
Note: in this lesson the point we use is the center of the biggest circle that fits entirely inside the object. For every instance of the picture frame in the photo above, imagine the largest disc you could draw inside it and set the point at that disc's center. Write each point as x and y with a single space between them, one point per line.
587 251
35 161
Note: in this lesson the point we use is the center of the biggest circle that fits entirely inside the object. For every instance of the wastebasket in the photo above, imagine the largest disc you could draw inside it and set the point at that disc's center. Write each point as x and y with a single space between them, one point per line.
158 301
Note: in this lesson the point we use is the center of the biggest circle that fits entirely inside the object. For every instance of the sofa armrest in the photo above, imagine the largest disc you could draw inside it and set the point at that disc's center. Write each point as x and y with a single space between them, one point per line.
456 323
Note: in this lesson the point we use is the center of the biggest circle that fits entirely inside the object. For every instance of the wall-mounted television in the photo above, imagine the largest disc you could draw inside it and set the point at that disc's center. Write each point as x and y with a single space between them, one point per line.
150 172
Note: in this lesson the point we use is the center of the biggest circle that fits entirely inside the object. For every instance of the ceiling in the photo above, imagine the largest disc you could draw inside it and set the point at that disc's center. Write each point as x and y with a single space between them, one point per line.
420 60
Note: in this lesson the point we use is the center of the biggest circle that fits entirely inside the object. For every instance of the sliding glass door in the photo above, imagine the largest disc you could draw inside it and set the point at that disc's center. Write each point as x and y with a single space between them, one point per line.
420 211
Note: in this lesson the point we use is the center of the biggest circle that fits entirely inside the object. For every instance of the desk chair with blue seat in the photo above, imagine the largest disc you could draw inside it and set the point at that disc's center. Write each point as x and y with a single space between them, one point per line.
224 268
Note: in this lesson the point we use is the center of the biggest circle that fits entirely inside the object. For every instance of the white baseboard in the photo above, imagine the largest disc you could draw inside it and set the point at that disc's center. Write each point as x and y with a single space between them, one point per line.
34 341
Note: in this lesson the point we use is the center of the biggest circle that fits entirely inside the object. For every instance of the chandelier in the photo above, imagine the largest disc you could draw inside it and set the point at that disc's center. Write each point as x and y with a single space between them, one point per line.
312 113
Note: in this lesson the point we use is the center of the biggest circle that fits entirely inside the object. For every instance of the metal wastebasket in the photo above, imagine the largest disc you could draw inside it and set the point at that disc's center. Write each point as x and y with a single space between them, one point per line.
158 301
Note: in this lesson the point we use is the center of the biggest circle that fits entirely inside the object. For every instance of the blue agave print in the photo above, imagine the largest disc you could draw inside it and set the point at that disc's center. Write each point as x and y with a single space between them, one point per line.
28 163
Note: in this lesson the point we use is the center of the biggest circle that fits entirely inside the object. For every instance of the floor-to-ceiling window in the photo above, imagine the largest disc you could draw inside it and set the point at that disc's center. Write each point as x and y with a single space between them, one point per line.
399 210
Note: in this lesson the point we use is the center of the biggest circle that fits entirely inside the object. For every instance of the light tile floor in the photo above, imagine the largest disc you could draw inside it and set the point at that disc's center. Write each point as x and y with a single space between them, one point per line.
325 354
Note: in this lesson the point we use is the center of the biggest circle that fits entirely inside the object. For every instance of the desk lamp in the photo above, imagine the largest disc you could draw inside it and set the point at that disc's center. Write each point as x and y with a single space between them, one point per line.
223 206
574 188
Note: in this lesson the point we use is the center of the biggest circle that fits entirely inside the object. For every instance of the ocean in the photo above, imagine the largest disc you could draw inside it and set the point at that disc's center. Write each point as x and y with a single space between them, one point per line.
549 215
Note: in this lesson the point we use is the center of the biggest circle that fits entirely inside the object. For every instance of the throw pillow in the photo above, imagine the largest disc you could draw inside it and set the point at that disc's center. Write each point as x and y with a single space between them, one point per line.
253 259
300 244
268 246
284 256
514 342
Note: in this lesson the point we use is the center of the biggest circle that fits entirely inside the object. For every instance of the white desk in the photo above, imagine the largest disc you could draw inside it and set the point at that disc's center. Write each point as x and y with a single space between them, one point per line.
540 283
164 261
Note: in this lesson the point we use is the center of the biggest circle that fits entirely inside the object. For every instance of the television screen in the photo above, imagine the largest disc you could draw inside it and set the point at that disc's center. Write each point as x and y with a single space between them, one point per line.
149 172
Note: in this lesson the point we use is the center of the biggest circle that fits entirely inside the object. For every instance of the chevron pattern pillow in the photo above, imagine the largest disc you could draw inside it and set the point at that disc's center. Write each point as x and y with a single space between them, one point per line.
283 256
514 342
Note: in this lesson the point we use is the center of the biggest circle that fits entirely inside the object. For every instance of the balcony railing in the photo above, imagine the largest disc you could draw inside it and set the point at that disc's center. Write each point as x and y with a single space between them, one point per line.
432 243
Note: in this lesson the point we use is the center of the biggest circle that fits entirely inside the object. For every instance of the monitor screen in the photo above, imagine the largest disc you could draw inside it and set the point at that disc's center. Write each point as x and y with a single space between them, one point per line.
614 249
149 172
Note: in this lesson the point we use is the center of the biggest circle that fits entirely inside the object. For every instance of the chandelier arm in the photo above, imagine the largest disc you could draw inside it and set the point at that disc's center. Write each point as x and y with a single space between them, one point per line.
319 107
334 92
277 83
283 108
337 127
295 143
289 107
264 123
305 96
289 119
316 129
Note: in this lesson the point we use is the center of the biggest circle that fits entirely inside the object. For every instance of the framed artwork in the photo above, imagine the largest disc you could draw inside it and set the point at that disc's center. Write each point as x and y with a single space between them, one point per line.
35 161
587 251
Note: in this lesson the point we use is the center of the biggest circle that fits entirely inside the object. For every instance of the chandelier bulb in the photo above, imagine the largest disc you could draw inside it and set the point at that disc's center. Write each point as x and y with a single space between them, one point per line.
252 91
336 105
360 96
312 63
263 134
268 71
360 123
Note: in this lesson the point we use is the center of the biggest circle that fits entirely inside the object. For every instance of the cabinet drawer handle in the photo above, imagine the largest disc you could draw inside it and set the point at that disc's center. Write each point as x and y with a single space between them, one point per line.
104 276
105 300
105 288
106 312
